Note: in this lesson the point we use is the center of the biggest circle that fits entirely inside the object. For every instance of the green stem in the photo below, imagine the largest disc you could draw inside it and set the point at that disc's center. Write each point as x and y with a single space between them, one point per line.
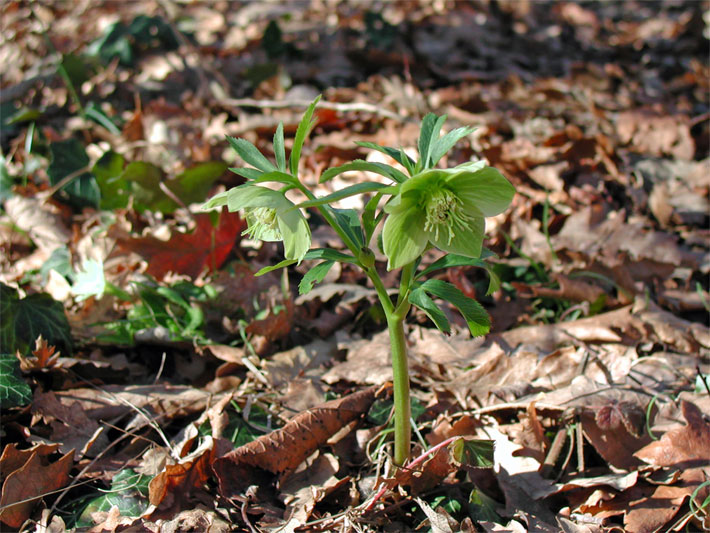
400 374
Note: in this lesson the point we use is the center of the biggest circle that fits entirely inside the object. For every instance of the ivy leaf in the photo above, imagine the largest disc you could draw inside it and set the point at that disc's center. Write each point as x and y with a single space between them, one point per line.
23 320
67 157
14 391
115 191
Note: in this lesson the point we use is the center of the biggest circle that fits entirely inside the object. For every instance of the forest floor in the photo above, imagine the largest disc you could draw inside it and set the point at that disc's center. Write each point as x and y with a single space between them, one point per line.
150 382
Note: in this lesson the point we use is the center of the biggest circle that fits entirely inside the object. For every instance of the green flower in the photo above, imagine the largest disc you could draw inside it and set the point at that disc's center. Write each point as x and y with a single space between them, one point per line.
270 217
446 208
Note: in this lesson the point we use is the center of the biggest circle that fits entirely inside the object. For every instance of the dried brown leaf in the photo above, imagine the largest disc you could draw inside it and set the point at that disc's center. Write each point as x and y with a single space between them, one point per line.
37 477
284 449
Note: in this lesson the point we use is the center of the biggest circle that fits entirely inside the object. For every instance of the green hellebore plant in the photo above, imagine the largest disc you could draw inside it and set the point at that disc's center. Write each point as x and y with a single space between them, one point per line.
452 204
426 206
270 217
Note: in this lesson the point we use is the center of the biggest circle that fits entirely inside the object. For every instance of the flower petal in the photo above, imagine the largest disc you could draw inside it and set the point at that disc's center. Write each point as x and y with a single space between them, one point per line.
295 231
486 190
254 196
403 236
467 240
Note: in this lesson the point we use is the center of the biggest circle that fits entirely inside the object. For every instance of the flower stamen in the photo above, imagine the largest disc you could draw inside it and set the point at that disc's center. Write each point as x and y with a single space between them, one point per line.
262 223
444 208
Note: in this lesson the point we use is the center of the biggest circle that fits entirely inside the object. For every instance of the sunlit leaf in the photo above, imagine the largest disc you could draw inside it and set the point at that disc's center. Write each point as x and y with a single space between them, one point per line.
14 391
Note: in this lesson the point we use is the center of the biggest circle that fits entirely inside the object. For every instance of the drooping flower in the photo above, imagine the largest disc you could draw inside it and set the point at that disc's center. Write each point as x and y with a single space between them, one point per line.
444 207
270 217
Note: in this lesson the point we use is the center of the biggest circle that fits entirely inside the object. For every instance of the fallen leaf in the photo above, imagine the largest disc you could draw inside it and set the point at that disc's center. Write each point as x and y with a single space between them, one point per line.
285 448
173 486
682 447
43 356
188 253
37 477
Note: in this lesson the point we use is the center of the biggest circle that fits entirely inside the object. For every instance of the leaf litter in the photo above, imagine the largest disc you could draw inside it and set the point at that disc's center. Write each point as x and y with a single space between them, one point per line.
251 408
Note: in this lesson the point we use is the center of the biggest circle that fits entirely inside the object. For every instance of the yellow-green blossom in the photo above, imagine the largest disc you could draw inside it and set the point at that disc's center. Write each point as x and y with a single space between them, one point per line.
444 207
270 216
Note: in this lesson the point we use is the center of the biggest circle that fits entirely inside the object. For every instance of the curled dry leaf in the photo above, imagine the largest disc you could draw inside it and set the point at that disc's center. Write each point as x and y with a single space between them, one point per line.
175 483
284 449
32 478
681 447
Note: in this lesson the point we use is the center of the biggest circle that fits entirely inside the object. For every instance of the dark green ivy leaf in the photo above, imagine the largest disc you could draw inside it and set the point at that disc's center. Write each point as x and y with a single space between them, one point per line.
67 157
23 320
14 391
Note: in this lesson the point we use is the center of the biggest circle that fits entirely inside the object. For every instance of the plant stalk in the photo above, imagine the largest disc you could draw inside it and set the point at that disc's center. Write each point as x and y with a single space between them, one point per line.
400 374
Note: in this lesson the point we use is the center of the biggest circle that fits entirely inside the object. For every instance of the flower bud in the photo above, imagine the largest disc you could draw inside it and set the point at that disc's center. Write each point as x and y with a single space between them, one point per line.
366 257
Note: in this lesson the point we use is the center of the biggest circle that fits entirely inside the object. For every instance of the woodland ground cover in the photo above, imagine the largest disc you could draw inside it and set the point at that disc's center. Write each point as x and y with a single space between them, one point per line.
150 380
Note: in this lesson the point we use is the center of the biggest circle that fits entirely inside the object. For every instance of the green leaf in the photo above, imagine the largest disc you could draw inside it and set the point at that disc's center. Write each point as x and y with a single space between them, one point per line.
443 145
407 162
366 166
6 181
279 150
245 172
14 391
369 220
251 154
129 492
277 177
420 298
330 254
98 115
192 185
401 158
277 266
479 323
77 68
304 128
352 190
59 261
428 135
145 179
455 260
349 223
313 276
474 452
114 43
23 320
115 189
482 508
67 157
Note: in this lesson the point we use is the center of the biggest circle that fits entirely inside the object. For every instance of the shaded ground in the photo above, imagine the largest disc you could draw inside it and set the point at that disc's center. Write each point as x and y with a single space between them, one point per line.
593 384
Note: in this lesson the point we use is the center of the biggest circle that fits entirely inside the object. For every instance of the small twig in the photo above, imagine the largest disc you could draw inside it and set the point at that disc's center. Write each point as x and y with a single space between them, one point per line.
361 107
703 379
554 453
170 194
46 195
410 466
